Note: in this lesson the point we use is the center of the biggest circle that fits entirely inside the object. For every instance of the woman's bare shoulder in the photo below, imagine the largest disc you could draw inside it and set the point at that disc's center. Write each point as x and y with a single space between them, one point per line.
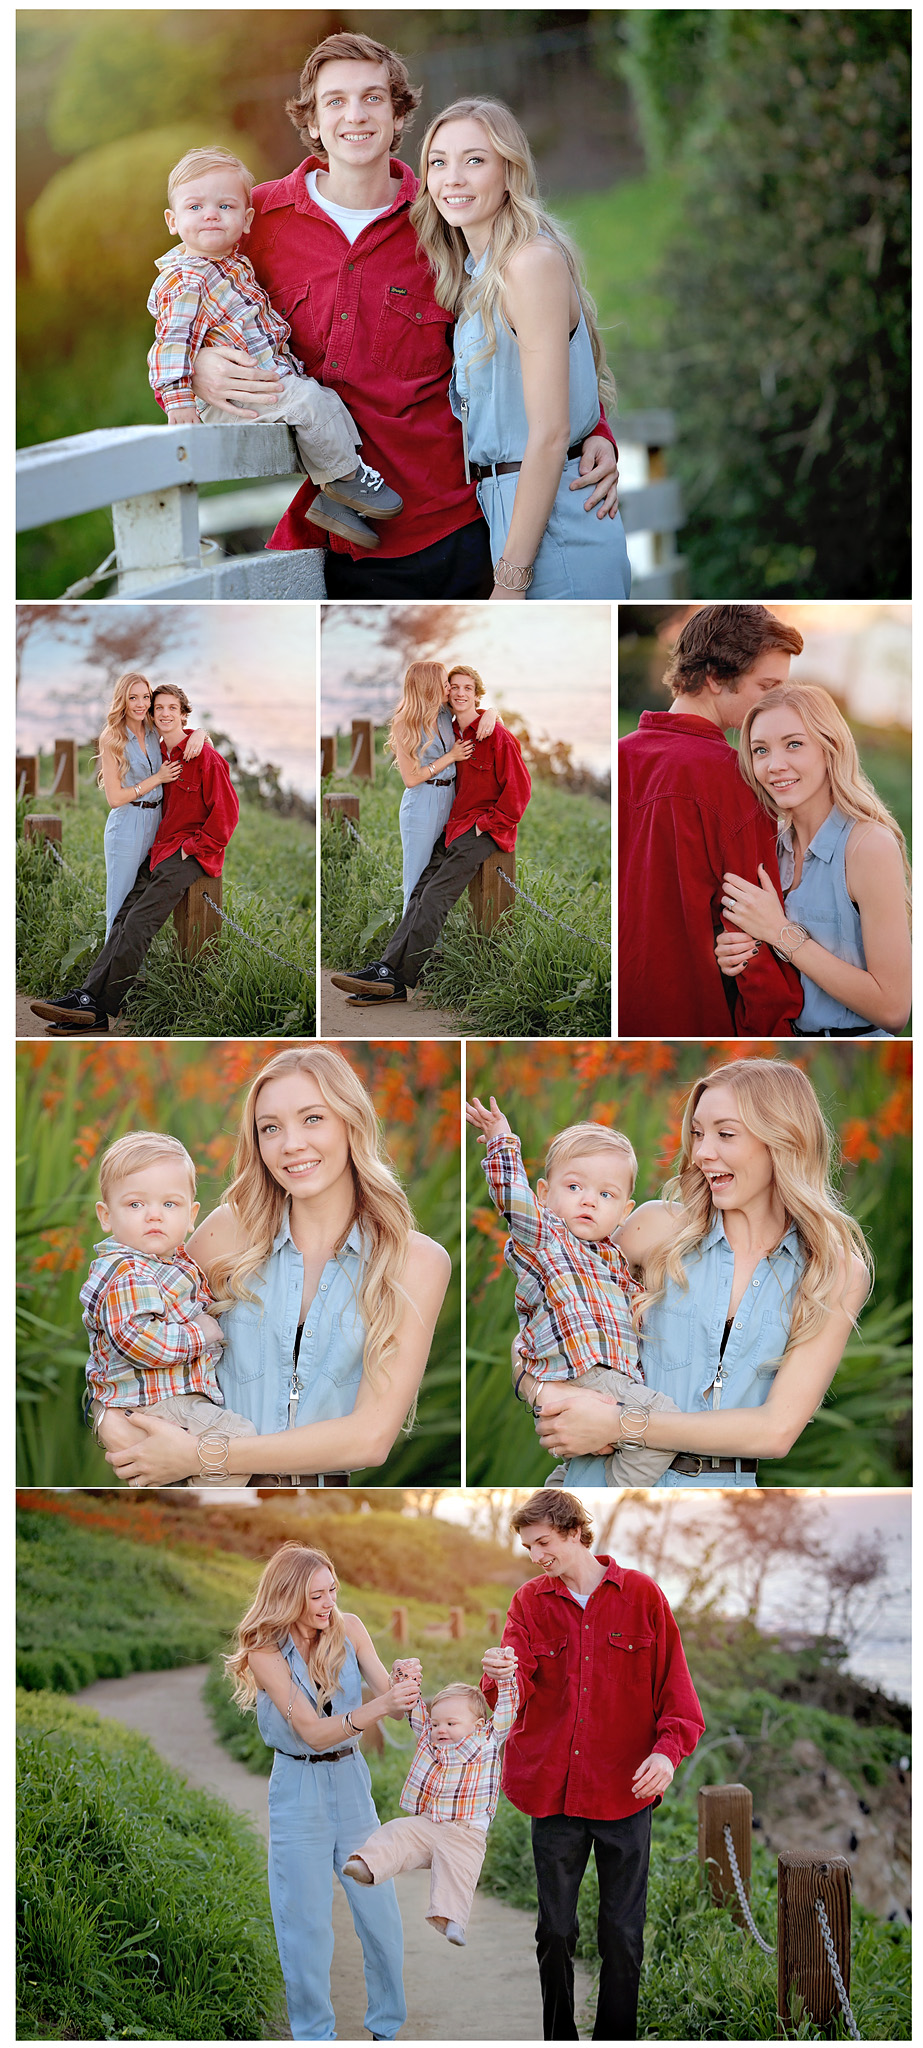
648 1229
219 1234
427 1260
538 260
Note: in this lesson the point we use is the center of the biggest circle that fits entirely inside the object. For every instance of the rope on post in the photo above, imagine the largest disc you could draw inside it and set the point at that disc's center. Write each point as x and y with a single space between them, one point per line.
549 914
62 764
743 1901
226 918
20 793
835 1971
344 772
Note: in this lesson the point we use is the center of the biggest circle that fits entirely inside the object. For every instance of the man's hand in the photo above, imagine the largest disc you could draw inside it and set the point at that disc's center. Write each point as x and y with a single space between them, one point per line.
499 1663
599 474
231 380
651 1778
491 1123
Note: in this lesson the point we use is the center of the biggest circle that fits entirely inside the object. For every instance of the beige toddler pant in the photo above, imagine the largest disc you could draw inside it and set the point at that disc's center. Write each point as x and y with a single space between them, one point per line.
453 1850
326 433
629 1465
194 1412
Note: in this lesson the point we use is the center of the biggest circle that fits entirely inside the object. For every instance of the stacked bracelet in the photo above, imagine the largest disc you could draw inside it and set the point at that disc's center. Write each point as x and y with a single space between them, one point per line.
349 1723
633 1425
214 1453
511 576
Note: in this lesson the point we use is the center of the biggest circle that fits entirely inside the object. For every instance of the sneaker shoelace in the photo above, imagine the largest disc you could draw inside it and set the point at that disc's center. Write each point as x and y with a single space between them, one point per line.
372 477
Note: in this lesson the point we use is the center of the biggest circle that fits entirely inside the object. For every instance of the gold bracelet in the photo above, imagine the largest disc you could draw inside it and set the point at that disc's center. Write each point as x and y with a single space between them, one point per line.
513 576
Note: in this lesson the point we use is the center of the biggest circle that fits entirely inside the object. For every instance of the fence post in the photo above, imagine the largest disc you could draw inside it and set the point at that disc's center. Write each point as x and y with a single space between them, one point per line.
65 769
38 827
194 920
400 1624
26 775
156 537
492 1619
732 1804
488 895
803 1964
337 804
328 754
364 749
456 1623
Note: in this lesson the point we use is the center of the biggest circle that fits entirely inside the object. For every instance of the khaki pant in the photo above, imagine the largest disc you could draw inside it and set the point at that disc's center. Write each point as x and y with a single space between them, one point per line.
630 1465
326 433
452 1849
194 1412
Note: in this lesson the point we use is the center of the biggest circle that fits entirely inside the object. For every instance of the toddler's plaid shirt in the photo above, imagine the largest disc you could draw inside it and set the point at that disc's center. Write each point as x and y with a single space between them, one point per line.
460 1781
197 298
143 1345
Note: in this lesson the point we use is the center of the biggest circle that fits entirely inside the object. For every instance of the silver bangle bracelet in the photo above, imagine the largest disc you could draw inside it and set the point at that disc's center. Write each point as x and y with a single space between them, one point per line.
214 1465
513 576
633 1426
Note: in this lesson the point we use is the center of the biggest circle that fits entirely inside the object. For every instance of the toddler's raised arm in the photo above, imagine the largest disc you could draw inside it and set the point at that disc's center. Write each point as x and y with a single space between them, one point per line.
491 1123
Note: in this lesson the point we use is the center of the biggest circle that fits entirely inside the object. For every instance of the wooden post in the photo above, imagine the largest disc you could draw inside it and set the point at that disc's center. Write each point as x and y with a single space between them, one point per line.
39 827
363 750
488 895
195 922
732 1804
26 775
65 769
456 1623
328 754
493 1619
400 1624
803 1965
336 804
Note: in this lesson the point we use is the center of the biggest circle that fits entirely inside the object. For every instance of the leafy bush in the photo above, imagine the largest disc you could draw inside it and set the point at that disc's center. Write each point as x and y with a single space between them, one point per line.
142 1904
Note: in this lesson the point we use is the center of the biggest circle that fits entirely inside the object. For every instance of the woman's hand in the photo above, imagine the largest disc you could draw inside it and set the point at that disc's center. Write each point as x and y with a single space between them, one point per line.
164 1454
499 595
598 474
401 1697
406 1667
734 951
486 723
753 909
462 750
574 1422
491 1123
169 771
230 379
195 743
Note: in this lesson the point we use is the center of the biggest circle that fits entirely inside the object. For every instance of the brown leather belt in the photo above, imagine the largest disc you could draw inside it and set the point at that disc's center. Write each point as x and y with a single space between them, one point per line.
480 470
267 1479
692 1466
302 1756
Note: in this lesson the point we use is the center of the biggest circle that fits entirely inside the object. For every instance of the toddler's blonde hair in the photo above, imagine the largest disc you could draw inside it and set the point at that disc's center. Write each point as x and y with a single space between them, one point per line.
196 162
136 1150
471 1694
578 1139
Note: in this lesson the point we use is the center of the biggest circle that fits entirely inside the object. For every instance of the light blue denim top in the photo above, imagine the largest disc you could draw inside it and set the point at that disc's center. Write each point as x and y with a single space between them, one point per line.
497 426
273 1725
442 742
822 903
256 1369
681 1333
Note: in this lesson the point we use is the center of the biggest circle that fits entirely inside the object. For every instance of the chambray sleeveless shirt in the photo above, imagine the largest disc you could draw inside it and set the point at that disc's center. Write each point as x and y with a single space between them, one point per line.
256 1372
130 832
424 811
822 903
579 555
272 1723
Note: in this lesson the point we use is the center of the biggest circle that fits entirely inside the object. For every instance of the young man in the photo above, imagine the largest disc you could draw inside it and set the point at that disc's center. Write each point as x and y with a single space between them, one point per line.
607 1710
686 817
200 812
333 247
492 790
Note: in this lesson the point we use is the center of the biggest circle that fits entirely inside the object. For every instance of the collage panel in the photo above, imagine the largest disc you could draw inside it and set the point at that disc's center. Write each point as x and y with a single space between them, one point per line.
165 771
466 832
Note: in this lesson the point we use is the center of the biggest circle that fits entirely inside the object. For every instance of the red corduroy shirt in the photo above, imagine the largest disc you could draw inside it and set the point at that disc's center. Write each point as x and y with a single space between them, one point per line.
686 817
492 789
600 1689
200 810
365 322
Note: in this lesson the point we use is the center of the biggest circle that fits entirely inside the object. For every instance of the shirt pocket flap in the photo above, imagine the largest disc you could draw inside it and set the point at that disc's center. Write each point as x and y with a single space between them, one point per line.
551 1646
622 1639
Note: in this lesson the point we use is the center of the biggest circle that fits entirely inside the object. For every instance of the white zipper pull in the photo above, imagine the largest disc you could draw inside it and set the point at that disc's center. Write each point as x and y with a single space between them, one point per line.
717 1385
296 1387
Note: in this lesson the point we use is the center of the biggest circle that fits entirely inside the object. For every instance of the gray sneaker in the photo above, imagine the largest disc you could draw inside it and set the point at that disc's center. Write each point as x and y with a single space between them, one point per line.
342 520
366 492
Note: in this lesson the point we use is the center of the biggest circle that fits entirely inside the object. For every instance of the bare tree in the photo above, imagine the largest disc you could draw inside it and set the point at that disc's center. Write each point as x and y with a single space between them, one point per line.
106 639
757 1530
853 1586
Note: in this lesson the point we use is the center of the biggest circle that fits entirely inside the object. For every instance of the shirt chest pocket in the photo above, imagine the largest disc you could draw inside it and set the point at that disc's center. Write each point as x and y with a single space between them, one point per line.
412 337
630 1659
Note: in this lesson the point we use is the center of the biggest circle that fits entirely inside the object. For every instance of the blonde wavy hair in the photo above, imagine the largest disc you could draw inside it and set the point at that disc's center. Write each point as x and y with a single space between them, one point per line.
776 1104
423 696
852 792
277 1607
382 1210
114 735
521 219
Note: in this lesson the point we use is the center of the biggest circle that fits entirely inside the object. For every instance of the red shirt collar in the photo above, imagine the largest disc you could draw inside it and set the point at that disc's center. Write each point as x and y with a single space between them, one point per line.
292 190
615 1573
682 721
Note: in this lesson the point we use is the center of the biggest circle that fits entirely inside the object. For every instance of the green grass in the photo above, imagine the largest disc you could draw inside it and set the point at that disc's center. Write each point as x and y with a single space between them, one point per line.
142 1904
531 977
235 989
622 236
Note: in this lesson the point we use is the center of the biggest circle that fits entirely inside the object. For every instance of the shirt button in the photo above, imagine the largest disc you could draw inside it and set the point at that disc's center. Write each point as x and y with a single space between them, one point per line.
323 1286
419 316
309 1333
350 266
738 1326
344 316
334 366
756 1283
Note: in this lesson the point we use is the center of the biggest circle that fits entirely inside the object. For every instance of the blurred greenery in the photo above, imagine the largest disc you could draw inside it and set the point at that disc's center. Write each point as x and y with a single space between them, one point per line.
73 1100
861 1434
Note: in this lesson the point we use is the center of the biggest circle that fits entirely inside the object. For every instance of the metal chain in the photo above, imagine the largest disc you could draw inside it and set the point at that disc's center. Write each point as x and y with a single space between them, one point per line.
62 863
835 1970
766 1947
226 918
549 914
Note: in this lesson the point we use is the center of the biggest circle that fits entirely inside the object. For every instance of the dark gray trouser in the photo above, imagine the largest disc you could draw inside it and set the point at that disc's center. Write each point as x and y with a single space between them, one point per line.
561 1846
441 884
146 907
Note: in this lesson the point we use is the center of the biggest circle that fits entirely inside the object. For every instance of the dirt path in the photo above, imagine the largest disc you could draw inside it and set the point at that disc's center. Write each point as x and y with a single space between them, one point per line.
486 1992
339 1018
28 1026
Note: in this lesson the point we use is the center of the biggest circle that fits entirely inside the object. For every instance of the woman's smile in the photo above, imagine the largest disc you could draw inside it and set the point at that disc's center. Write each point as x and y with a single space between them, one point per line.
466 175
290 1114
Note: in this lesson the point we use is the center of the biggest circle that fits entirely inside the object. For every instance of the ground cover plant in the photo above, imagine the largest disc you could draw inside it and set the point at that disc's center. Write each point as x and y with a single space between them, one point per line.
861 1435
543 971
73 1100
257 980
142 1904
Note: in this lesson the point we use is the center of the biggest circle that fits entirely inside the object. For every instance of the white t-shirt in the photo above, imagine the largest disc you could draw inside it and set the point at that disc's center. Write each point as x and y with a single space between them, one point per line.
352 219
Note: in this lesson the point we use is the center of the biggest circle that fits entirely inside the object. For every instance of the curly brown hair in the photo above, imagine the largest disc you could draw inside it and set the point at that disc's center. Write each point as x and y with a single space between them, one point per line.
563 1510
724 641
353 49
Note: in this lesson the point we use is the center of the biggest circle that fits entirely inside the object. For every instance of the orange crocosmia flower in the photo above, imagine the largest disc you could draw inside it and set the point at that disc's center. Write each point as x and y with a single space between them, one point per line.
898 1057
487 1223
603 1113
895 1117
856 1141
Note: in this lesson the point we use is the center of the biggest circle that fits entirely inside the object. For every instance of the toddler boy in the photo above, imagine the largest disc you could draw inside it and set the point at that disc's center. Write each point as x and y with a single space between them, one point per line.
450 1796
205 294
153 1343
574 1289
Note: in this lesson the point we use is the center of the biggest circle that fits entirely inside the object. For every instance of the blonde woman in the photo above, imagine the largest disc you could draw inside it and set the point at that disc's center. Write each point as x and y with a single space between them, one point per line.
132 772
330 1296
300 1664
423 743
844 915
754 1277
529 369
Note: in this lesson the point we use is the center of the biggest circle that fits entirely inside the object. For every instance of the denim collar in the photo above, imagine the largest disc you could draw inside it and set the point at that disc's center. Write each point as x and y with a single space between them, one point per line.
354 1241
